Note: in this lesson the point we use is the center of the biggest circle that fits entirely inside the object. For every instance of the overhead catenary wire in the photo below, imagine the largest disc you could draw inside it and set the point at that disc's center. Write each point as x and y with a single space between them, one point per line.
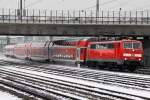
141 7
127 3
33 3
107 2
118 6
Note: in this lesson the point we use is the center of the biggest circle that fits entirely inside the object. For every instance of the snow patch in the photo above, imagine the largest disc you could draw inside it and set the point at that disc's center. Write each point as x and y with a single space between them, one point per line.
7 96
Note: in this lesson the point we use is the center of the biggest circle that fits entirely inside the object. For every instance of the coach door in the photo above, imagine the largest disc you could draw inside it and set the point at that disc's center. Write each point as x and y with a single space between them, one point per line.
78 55
117 51
50 50
28 50
46 50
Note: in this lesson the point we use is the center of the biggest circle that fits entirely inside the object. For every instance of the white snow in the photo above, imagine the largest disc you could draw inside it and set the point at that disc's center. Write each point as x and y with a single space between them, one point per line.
7 96
2 57
87 83
108 72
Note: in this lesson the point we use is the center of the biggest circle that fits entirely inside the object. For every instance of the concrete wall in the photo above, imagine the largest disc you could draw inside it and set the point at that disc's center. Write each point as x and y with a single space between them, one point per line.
73 29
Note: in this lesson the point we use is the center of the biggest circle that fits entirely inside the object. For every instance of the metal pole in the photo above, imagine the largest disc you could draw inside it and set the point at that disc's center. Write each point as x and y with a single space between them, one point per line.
97 8
147 17
8 40
21 3
24 4
136 17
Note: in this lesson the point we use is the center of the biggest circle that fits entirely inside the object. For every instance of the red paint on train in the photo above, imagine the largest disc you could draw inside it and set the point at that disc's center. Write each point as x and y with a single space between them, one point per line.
87 51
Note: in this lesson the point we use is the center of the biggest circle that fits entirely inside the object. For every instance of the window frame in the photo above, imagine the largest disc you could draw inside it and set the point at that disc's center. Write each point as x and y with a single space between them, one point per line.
132 45
113 46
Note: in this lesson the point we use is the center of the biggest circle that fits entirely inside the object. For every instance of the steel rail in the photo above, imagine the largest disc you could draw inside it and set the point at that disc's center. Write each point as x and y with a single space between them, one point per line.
133 82
78 87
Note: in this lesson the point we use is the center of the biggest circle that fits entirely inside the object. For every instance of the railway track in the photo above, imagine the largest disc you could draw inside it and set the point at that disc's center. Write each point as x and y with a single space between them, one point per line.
91 75
145 71
142 84
52 88
16 93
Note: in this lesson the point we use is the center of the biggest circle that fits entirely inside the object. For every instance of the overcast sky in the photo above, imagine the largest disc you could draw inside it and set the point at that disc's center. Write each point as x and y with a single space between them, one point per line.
79 4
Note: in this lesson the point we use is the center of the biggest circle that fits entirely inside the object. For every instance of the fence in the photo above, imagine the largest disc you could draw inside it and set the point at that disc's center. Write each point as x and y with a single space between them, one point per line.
73 17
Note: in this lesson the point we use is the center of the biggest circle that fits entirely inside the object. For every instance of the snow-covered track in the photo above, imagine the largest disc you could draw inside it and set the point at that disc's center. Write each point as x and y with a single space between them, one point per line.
130 81
115 78
44 86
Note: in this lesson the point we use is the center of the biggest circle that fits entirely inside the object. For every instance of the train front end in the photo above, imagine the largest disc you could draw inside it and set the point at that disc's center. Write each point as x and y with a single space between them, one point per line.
132 53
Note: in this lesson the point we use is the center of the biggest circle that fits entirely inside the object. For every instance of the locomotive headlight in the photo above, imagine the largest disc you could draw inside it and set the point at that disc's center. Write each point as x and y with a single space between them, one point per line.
139 59
127 54
138 55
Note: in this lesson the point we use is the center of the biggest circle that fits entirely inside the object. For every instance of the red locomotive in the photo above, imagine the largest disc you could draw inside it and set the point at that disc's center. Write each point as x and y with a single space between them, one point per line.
124 54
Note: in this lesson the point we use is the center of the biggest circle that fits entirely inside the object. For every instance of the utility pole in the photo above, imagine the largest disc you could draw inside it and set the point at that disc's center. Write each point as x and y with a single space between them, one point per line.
97 8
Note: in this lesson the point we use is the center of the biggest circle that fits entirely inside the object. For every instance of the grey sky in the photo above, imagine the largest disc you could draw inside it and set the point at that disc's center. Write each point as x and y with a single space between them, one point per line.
79 4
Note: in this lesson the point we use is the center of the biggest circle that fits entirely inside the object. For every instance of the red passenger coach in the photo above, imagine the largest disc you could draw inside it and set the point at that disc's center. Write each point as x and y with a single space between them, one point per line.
9 50
22 50
38 51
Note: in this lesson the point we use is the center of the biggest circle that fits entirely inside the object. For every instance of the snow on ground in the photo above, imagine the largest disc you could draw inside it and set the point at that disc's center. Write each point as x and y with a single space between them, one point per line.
108 72
7 96
2 57
87 83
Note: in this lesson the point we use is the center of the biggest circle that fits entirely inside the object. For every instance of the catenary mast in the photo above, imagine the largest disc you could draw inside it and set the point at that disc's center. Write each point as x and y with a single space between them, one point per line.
21 7
97 8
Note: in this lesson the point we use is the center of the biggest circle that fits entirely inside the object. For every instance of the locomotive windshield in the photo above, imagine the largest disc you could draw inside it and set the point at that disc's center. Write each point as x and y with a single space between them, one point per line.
132 45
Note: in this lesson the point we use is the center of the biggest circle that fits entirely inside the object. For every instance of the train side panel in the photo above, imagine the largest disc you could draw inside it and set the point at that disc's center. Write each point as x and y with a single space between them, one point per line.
9 50
20 51
38 51
62 53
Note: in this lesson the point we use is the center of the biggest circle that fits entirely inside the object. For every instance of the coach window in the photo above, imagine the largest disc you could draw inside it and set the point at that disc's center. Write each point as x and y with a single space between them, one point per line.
98 46
110 46
128 45
101 46
93 46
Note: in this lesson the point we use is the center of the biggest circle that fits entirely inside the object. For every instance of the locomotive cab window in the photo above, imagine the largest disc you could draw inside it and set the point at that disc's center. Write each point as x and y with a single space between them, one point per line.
132 45
102 46
136 45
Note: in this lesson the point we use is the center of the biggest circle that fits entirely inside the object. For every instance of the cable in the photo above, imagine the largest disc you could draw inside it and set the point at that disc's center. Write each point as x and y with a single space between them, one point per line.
121 4
141 7
33 3
127 2
90 7
101 4
108 2
90 0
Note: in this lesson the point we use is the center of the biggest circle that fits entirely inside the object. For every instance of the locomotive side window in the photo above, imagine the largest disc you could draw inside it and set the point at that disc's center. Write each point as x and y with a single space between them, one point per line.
93 46
128 45
102 46
110 46
136 45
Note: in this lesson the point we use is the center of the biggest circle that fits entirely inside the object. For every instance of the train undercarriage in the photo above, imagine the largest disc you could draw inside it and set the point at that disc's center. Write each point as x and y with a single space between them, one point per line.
130 66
